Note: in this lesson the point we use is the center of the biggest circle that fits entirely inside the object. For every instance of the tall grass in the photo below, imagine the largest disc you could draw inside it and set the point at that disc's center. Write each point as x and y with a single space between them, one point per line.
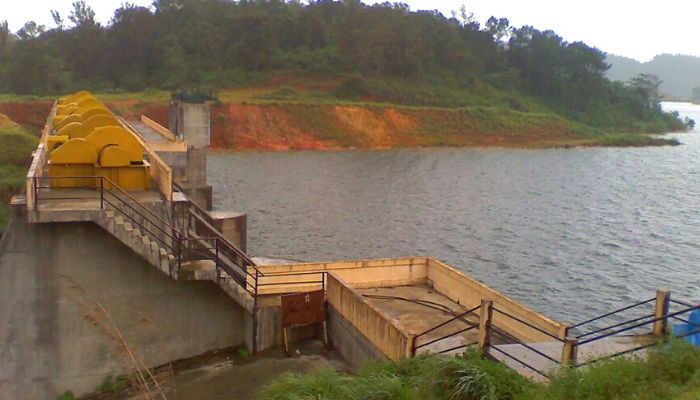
425 377
16 147
670 372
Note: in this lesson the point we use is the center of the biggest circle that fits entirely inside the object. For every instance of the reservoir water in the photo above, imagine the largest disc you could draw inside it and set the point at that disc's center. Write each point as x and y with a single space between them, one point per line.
570 232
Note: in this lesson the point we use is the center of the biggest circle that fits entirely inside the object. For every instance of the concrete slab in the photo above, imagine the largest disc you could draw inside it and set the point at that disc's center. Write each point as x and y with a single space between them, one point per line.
148 134
420 308
590 351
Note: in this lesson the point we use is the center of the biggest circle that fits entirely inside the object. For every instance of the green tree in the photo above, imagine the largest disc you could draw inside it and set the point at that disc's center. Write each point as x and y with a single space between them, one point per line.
647 87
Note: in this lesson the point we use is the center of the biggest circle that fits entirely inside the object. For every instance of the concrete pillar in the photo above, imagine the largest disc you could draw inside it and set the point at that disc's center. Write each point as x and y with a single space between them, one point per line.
661 310
234 227
485 315
191 121
200 195
569 351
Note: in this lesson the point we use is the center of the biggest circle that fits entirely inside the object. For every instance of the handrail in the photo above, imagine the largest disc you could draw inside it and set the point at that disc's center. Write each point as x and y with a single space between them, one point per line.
103 188
204 217
520 361
613 312
457 347
130 197
537 328
682 303
616 325
663 317
467 329
141 226
120 196
632 350
221 238
456 317
527 346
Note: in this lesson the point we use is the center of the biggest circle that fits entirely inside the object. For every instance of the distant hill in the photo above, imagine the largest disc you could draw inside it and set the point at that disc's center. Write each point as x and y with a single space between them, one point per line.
679 73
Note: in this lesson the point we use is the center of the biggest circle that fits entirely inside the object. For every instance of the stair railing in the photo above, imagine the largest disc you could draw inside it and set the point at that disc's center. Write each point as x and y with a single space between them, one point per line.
183 245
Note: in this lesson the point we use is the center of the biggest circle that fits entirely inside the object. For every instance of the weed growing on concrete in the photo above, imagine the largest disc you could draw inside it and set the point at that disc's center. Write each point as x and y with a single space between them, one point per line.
243 352
98 316
67 395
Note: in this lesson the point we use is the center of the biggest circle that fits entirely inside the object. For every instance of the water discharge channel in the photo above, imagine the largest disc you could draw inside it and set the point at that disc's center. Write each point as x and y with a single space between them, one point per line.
571 232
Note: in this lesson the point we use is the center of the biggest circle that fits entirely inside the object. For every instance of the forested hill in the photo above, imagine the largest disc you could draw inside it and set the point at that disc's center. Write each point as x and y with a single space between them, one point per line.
679 74
383 53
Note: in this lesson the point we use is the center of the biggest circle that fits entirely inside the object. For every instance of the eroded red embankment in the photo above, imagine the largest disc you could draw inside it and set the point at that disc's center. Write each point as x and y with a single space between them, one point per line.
291 126
309 126
29 114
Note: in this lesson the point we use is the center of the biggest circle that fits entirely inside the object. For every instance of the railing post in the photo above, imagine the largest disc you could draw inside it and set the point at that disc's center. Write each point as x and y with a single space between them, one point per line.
35 188
179 251
564 330
663 298
255 289
485 315
411 345
569 351
218 269
102 193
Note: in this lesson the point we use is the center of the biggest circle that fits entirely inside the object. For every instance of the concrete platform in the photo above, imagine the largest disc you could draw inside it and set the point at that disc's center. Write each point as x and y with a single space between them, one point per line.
78 205
419 308
589 351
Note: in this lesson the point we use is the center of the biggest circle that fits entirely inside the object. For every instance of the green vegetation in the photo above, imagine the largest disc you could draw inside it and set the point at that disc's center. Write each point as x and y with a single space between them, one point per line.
110 384
68 395
15 153
671 372
678 73
382 53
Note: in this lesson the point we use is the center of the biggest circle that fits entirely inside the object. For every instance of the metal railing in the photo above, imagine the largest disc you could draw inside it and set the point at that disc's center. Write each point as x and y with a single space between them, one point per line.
637 323
184 245
320 280
459 317
508 338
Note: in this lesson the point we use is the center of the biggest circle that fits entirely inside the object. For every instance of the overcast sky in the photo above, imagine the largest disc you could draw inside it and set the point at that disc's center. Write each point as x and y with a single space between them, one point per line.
635 28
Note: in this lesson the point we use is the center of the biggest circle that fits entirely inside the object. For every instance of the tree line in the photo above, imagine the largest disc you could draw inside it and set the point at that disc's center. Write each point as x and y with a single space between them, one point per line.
184 43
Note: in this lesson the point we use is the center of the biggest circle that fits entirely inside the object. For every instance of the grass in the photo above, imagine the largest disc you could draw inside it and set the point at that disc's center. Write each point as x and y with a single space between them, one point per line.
670 372
15 154
424 377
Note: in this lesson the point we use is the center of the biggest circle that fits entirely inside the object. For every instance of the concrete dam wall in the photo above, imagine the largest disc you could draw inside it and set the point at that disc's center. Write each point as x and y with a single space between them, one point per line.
53 336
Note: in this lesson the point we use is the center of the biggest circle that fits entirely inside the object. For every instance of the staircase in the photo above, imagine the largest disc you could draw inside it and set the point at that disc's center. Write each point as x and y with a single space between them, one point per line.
193 258
183 245
132 237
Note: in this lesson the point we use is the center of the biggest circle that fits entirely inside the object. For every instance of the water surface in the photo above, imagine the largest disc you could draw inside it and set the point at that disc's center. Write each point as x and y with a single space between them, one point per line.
571 232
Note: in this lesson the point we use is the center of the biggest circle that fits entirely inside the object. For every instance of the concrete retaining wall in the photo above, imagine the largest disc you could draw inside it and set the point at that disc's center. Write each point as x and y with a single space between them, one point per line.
352 345
469 292
383 331
360 274
52 278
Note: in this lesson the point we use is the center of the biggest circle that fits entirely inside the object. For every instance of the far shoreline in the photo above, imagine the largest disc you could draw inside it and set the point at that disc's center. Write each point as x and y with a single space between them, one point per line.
605 141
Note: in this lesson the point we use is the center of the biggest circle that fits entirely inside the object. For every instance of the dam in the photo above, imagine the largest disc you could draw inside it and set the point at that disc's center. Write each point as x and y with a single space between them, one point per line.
113 258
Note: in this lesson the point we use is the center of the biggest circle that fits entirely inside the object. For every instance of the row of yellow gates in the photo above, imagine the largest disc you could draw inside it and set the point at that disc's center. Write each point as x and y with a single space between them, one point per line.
87 140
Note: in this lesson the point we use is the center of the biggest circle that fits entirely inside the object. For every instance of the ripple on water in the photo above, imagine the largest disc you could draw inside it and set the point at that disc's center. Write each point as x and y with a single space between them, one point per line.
570 232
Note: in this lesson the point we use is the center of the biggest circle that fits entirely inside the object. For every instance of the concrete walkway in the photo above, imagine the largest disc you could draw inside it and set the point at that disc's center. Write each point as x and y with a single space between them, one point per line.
589 351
